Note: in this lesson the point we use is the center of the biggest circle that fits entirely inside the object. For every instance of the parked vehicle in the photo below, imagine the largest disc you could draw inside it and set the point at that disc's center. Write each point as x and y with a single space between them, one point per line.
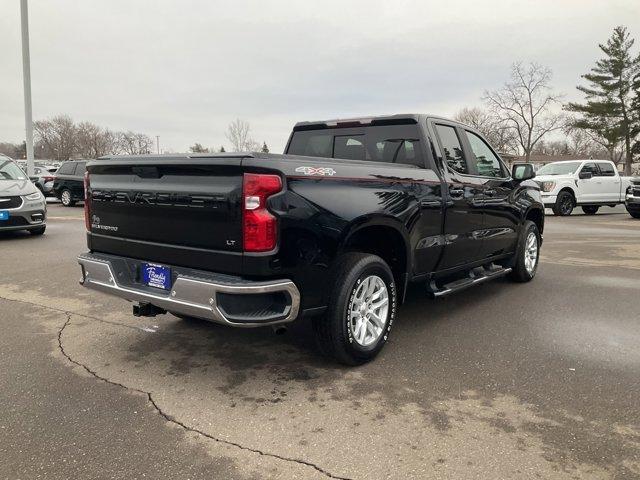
632 198
589 184
334 229
68 185
43 178
22 205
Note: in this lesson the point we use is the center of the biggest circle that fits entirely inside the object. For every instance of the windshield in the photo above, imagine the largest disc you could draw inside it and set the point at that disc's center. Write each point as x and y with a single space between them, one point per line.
559 168
11 171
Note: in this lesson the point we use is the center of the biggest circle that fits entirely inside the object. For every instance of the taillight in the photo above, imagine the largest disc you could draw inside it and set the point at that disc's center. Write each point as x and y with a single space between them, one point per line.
87 202
259 227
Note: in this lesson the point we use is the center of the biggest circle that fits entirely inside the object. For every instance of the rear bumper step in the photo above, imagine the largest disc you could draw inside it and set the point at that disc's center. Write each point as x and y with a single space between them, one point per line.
218 298
476 276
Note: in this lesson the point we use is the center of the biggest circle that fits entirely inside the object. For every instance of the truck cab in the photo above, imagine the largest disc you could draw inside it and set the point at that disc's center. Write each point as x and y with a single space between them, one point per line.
589 184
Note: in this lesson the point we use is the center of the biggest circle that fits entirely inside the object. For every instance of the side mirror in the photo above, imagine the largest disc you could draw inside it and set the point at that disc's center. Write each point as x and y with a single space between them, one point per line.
522 171
585 175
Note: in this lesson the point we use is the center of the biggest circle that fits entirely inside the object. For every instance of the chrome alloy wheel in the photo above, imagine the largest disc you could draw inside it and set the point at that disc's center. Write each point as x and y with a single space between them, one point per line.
531 253
66 197
368 311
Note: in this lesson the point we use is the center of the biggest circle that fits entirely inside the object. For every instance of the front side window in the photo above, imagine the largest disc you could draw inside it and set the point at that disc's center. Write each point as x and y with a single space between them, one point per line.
452 149
487 163
606 169
590 168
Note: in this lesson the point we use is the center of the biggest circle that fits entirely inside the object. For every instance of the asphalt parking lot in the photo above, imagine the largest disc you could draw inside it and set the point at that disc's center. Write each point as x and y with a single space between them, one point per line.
504 381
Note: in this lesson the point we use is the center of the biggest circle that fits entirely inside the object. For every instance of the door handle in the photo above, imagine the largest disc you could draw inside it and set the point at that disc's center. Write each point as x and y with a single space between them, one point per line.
490 192
456 192
431 204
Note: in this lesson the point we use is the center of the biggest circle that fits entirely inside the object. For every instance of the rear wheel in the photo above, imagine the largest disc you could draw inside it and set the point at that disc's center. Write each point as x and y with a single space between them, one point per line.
590 209
66 198
527 257
564 204
361 311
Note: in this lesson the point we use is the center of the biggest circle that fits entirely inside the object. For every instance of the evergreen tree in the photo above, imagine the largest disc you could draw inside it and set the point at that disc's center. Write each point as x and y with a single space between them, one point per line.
265 149
222 150
198 148
608 110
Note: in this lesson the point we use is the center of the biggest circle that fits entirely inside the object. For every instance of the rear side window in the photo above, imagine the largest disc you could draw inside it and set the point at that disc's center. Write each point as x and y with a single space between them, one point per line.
67 168
80 168
606 170
379 143
452 149
487 163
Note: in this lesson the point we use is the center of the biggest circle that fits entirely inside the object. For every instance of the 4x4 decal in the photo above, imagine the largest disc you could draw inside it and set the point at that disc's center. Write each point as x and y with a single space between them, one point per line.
321 171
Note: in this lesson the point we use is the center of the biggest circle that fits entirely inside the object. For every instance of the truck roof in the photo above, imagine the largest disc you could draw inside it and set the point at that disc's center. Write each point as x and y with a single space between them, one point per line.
399 118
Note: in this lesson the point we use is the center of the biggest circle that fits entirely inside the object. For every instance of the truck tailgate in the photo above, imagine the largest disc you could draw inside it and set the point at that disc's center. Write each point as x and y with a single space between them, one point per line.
162 207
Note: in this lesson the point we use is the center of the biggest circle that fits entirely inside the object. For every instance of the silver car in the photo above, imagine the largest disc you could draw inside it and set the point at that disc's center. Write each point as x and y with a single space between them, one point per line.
22 205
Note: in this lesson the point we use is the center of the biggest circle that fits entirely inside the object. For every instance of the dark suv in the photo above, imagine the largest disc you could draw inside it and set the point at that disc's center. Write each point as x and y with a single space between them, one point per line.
69 183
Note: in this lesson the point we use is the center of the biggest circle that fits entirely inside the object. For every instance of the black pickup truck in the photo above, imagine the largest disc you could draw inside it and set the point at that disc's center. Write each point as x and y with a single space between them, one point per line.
334 229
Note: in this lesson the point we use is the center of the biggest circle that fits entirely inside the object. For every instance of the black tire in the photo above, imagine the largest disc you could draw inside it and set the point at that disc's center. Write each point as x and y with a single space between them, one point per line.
520 273
590 209
564 205
38 231
333 330
67 198
635 213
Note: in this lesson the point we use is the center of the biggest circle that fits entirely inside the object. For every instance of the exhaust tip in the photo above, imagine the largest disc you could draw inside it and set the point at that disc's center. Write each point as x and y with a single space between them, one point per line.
279 329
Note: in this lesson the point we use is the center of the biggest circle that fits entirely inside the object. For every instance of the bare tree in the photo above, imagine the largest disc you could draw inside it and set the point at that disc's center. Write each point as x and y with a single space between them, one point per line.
496 130
94 141
238 135
131 143
524 103
58 134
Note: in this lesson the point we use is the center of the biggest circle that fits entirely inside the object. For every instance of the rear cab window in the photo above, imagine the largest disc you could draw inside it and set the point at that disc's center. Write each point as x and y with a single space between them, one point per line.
398 144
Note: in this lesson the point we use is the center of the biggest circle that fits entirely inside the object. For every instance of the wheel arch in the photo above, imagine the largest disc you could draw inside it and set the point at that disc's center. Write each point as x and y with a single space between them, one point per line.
386 238
536 215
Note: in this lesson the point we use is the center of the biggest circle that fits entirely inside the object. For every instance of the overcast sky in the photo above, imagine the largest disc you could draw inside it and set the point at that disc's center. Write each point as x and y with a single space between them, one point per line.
184 69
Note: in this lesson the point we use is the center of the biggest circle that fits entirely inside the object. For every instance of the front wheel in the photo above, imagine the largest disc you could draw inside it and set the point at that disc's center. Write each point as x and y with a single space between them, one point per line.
527 256
590 209
564 204
362 307
635 213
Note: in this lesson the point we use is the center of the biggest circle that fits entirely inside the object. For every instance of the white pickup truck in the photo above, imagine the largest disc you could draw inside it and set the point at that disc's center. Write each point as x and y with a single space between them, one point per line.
590 184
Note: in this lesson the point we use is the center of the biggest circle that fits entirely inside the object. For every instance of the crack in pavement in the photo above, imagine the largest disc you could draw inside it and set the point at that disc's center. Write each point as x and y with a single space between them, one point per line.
166 416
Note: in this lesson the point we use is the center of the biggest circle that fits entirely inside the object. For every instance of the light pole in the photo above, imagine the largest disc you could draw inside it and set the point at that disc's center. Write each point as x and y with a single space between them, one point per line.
26 78
158 144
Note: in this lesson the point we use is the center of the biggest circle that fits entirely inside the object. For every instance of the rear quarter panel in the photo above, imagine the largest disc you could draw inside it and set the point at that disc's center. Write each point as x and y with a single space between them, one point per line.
326 200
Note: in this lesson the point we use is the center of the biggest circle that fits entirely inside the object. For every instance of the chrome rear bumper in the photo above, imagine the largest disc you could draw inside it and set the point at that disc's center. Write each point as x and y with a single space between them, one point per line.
192 295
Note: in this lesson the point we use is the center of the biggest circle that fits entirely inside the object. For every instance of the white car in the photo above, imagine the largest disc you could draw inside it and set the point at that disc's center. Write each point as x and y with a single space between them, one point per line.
589 184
